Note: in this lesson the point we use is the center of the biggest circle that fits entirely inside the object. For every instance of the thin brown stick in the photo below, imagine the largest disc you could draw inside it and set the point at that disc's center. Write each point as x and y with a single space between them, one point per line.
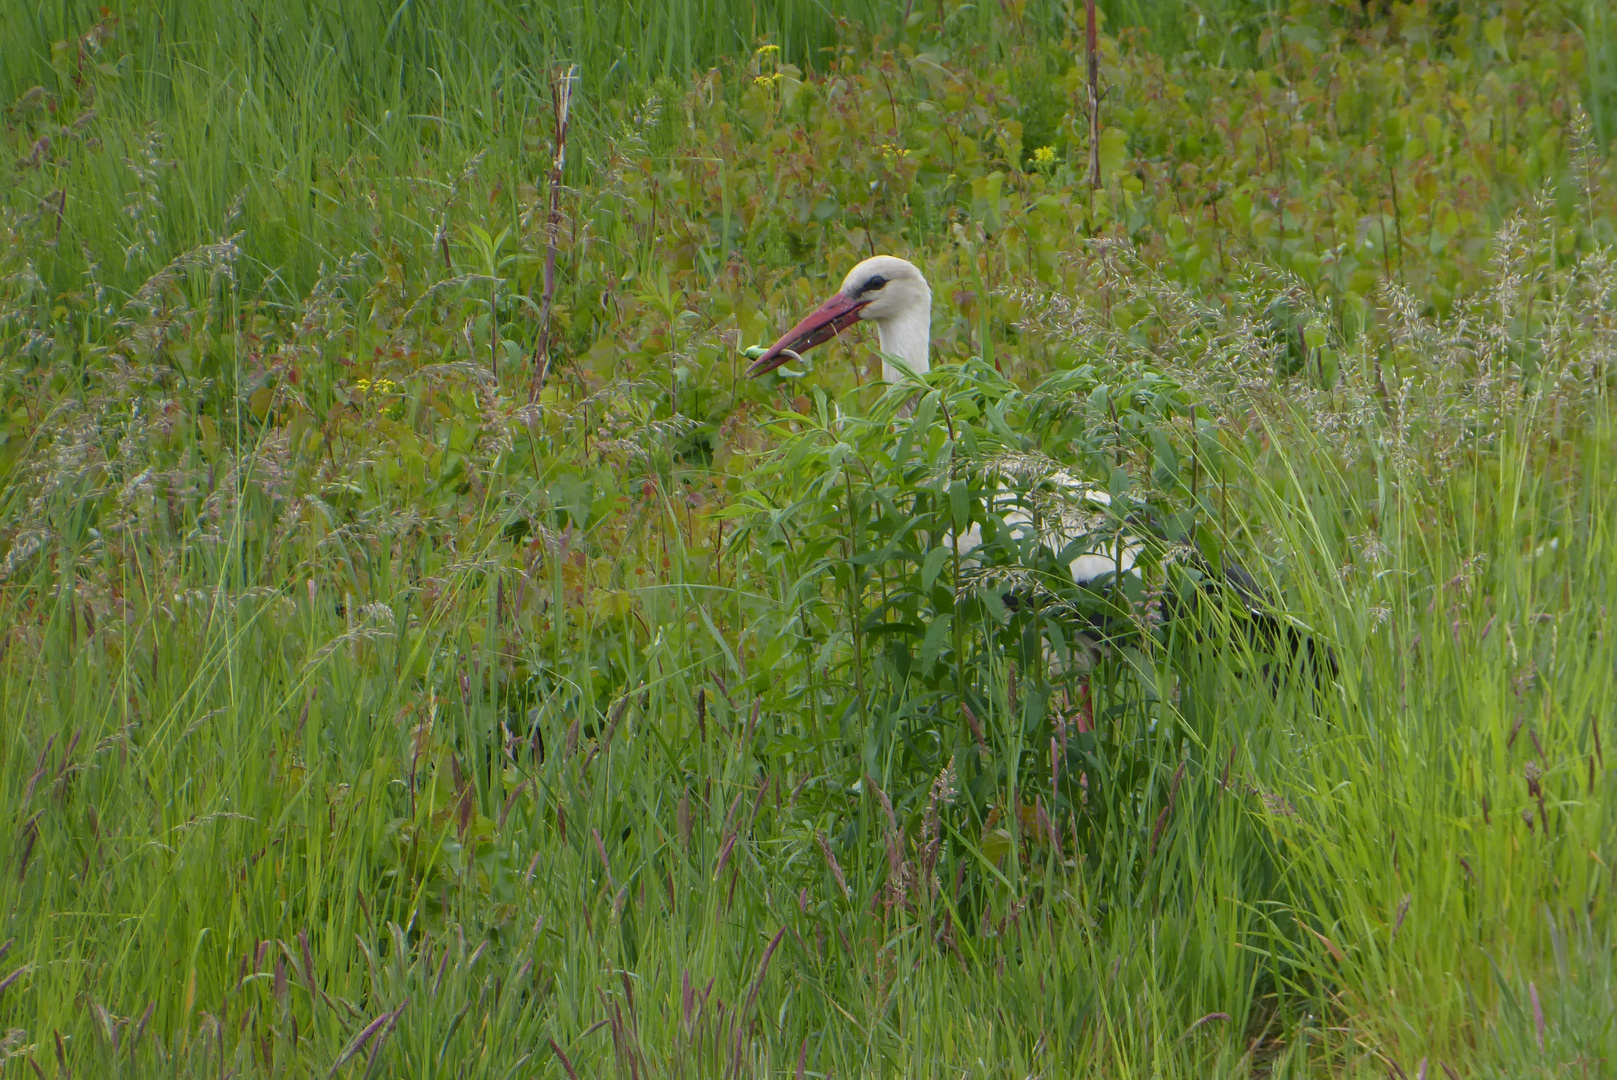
561 88
1094 94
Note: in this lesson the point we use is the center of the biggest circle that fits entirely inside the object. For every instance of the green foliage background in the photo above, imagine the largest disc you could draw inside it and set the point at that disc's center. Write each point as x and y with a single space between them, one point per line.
370 708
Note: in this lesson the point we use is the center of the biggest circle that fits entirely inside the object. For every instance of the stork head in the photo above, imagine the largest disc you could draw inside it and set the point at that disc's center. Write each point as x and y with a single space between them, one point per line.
885 289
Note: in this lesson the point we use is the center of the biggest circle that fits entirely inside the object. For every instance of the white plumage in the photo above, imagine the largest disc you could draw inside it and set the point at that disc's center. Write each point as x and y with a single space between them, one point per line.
1071 511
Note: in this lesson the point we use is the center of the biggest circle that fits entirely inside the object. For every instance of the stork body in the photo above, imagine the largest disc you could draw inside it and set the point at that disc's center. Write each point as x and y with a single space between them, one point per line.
1070 511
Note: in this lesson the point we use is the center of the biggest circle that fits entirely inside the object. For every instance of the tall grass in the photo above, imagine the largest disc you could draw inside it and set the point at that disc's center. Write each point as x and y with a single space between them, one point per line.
256 810
274 111
1600 35
379 53
360 715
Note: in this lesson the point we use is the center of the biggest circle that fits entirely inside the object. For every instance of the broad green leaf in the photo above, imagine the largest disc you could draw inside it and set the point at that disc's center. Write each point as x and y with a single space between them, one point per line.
1114 143
1494 31
937 636
932 567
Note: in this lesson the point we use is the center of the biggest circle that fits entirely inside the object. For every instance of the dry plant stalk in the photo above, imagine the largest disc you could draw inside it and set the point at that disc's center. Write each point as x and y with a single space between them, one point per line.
1094 94
561 89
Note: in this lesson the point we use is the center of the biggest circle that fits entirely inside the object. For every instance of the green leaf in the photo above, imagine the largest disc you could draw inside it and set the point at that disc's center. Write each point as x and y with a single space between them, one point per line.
996 845
937 636
959 508
995 606
1114 150
932 566
987 202
1494 31
996 419
927 411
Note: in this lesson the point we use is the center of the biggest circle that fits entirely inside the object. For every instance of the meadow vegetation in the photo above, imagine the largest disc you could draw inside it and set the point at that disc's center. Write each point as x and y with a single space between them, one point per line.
414 661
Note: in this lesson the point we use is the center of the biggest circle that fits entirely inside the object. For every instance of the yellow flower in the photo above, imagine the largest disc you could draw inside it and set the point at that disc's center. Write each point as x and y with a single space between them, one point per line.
1045 155
768 80
765 50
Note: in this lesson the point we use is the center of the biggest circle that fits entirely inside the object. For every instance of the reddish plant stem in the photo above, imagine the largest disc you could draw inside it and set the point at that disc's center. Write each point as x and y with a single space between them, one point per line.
1094 94
561 88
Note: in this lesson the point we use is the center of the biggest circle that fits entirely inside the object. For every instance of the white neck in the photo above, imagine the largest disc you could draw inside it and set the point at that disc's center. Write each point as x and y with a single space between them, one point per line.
905 336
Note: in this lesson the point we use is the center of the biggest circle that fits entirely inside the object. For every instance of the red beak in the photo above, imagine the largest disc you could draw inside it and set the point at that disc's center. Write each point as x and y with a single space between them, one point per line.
822 324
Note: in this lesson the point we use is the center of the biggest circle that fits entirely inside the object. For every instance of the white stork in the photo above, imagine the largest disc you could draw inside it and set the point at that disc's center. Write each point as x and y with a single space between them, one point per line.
1072 519
892 293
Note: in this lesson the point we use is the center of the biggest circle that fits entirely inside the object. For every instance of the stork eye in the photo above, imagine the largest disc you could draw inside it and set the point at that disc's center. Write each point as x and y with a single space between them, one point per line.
874 283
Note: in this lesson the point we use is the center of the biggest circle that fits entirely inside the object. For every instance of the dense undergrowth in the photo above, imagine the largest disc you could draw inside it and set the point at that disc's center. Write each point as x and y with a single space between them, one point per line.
370 705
